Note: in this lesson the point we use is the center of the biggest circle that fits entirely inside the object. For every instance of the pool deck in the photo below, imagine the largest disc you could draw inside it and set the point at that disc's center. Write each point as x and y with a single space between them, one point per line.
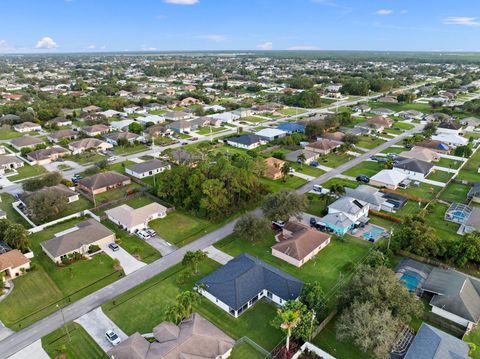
360 232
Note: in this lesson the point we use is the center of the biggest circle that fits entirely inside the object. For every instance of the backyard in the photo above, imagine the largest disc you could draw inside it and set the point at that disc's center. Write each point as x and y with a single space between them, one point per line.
12 214
440 176
455 192
469 172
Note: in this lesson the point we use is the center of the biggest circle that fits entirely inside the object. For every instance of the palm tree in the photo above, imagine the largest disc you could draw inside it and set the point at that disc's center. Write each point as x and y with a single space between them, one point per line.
285 171
290 319
186 300
301 158
192 259
173 314
337 189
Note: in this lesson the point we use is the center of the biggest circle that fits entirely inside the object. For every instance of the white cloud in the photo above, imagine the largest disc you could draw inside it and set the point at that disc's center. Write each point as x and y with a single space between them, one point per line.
383 12
266 45
46 43
92 47
302 48
182 2
461 20
215 38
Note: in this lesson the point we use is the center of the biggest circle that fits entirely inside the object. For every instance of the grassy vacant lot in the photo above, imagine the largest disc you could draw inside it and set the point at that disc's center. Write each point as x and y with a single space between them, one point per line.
292 111
12 214
143 307
253 119
403 125
367 168
424 190
397 107
325 268
334 159
469 171
85 157
9 134
306 169
455 192
180 228
210 129
36 293
292 182
81 345
440 176
396 150
448 163
369 142
327 341
126 150
27 171
341 181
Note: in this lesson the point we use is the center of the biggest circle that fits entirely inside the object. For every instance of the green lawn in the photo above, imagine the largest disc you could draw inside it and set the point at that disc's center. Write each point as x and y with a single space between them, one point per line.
448 163
396 150
440 176
292 182
27 171
367 168
63 167
81 346
318 204
326 268
180 228
424 190
117 193
403 125
455 192
85 158
340 181
49 284
133 244
143 307
469 171
327 341
397 107
12 214
9 134
334 159
306 169
127 150
209 129
369 142
245 351
474 337
411 207
136 202
292 111
443 228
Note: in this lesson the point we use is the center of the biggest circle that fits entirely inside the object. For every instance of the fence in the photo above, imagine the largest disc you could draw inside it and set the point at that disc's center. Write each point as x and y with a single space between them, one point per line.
324 323
247 340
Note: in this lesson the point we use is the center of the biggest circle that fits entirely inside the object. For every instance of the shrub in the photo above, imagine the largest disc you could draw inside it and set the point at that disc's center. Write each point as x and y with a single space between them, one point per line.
93 248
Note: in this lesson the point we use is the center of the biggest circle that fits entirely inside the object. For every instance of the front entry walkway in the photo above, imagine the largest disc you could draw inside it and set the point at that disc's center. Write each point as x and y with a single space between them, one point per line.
217 255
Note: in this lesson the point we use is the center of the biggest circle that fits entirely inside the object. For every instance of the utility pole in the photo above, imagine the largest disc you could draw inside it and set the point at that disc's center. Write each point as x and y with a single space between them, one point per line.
64 323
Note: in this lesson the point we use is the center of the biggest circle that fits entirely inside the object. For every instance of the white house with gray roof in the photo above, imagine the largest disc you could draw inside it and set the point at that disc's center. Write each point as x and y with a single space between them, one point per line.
147 168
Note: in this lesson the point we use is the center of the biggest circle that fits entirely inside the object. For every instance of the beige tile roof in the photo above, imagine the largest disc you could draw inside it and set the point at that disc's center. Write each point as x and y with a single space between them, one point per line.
12 259
131 217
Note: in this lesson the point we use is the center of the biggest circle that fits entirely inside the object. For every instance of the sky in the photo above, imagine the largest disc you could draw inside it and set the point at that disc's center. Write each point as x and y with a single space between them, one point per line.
44 26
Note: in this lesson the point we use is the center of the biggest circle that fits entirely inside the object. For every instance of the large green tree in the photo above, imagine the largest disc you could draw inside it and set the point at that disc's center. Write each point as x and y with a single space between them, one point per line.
46 205
251 227
284 204
416 236
193 259
314 298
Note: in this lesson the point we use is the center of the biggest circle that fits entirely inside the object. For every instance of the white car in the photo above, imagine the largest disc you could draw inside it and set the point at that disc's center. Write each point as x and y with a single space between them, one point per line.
112 158
112 337
143 235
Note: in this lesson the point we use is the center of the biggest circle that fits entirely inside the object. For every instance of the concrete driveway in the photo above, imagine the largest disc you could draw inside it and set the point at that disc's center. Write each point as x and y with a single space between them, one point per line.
128 262
96 323
217 255
161 245
33 351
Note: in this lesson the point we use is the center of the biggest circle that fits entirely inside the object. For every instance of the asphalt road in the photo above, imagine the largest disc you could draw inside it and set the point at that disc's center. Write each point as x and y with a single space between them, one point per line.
25 337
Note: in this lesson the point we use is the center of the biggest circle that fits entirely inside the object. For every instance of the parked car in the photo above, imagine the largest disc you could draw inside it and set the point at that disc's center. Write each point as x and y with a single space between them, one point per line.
143 235
313 222
151 232
194 138
114 247
112 337
112 158
314 164
184 143
363 178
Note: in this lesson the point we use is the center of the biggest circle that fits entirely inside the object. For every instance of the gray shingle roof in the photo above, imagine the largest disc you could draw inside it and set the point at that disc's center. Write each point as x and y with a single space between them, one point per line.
432 343
147 166
244 277
247 139
414 165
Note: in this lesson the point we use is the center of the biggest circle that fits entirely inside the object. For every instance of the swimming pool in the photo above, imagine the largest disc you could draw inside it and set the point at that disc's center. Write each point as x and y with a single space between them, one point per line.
374 233
411 280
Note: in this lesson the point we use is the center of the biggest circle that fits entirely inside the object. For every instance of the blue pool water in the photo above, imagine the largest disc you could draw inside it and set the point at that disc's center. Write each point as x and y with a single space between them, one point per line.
375 233
411 280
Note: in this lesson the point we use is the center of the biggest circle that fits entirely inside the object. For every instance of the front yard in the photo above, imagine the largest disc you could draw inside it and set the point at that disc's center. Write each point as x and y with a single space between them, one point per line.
334 159
6 134
27 171
292 182
424 190
367 168
369 142
127 150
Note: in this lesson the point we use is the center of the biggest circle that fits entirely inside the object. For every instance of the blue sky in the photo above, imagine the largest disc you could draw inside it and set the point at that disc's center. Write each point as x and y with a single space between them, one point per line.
166 25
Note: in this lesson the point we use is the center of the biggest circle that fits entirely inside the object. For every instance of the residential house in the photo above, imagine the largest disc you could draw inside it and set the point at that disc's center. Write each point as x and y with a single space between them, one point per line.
121 125
274 168
25 142
437 146
156 119
450 140
345 214
61 122
387 99
390 179
96 130
102 182
244 280
271 134
147 168
226 117
177 115
449 128
298 243
87 144
372 196
59 189
382 111
194 338
188 101
112 113
322 147
91 109
470 121
13 264
77 240
243 112
421 153
334 136
410 115
413 168
309 156
47 155
474 193
433 343
361 108
156 130
134 219
248 141
130 137
180 126
379 124
27 127
438 117
9 162
61 135
291 127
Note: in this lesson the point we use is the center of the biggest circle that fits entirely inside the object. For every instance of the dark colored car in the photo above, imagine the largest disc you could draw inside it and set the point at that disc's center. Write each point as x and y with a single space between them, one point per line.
363 178
314 164
114 247
313 222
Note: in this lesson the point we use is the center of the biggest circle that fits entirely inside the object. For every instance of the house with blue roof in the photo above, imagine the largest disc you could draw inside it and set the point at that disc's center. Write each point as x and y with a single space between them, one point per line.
291 127
244 280
432 343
